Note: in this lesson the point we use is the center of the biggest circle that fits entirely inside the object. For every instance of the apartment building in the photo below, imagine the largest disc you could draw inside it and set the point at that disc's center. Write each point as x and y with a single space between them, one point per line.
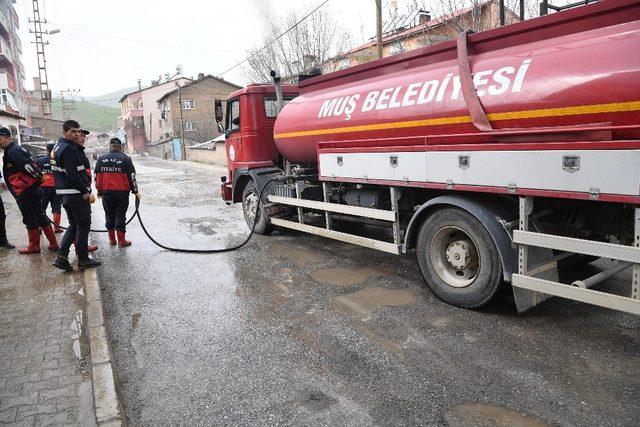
141 118
13 95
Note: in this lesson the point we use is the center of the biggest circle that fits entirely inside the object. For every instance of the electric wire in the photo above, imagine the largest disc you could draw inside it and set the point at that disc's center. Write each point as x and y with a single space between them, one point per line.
151 43
108 53
275 39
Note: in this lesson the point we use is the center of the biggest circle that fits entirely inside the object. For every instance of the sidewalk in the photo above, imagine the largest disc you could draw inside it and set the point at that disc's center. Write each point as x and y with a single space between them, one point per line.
45 363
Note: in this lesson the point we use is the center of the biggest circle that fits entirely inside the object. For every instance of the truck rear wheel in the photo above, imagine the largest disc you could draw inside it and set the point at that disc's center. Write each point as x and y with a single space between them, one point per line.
249 208
458 258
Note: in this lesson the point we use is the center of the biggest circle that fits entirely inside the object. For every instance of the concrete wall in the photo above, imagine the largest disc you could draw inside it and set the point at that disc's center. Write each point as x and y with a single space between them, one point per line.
163 151
210 157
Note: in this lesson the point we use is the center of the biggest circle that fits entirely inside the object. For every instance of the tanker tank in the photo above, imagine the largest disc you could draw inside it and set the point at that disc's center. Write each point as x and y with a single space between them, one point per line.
575 78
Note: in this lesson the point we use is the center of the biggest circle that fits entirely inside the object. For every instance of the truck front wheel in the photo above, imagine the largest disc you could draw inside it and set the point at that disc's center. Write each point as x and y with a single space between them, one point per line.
250 209
458 258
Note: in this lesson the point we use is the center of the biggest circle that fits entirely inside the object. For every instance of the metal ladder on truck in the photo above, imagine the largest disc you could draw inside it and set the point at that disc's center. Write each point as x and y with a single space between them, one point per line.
626 257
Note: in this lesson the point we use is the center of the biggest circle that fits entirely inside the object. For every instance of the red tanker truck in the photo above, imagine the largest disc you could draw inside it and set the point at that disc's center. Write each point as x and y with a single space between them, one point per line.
498 157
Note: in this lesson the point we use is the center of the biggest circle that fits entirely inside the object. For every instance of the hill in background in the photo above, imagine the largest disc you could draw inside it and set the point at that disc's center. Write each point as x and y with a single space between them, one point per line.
109 99
92 116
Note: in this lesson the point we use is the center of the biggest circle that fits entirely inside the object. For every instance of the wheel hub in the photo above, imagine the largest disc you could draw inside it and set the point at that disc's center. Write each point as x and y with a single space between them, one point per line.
461 254
454 257
250 205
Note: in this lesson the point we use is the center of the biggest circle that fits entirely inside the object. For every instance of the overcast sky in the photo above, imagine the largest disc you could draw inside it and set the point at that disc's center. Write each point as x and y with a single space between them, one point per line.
94 53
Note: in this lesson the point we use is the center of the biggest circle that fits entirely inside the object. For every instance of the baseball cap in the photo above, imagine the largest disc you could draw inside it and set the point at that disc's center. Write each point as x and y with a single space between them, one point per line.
5 132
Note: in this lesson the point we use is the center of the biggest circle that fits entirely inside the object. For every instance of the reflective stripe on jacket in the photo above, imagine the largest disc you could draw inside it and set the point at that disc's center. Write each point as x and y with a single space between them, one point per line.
115 173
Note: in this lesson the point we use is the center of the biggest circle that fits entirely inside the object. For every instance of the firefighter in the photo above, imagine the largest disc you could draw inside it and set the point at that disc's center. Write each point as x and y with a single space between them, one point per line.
48 189
23 179
74 185
115 177
4 243
87 167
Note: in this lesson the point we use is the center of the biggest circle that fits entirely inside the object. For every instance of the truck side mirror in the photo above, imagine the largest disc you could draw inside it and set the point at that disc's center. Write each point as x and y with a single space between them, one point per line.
219 114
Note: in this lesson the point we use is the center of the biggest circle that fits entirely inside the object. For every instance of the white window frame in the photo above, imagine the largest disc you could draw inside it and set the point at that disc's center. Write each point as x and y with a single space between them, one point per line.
190 127
188 104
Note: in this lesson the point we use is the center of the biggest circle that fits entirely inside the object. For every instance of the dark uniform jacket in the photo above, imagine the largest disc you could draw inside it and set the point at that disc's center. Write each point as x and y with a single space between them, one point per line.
69 165
20 171
115 174
44 164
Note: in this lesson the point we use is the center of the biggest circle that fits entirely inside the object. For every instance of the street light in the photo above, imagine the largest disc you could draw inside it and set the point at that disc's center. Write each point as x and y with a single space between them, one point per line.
55 31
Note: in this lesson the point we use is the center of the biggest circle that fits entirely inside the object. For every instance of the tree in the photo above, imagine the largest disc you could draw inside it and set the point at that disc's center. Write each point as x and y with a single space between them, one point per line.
306 46
480 15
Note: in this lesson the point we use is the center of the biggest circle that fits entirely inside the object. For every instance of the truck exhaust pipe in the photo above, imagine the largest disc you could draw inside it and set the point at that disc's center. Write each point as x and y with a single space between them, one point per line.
278 85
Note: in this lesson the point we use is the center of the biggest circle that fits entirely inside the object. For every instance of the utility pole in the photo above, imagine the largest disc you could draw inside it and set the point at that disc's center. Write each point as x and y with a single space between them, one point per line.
68 100
45 92
379 26
183 154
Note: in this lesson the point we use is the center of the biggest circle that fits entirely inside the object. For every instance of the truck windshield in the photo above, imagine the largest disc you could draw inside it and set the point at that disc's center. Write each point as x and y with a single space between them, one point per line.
271 105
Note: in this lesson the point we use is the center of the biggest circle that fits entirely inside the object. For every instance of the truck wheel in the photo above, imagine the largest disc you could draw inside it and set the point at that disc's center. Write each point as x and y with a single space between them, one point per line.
249 204
458 258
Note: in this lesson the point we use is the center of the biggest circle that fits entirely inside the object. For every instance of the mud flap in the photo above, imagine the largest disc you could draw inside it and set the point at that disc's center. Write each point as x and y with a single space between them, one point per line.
526 299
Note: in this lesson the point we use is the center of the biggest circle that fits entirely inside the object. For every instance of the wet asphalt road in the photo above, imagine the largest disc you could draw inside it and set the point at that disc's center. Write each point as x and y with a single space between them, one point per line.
298 330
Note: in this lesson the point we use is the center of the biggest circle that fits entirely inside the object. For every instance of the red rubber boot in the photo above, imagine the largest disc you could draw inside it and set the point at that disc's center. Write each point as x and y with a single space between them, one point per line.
112 237
90 247
51 237
34 242
57 217
122 242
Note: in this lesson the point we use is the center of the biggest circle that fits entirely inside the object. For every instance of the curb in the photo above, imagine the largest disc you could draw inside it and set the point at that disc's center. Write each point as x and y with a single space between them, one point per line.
106 401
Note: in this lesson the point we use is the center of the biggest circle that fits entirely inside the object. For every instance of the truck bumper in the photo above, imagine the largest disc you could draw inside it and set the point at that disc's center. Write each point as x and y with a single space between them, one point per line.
226 192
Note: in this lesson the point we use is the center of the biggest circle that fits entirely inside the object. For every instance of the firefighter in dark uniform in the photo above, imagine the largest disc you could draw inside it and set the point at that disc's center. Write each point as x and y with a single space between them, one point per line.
87 168
23 179
4 243
115 178
74 185
48 189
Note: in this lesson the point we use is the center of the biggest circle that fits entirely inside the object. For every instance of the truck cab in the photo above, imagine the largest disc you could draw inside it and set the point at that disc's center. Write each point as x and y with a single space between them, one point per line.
248 125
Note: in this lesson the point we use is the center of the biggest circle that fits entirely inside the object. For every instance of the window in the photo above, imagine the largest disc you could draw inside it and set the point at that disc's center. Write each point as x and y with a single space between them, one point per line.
3 96
188 104
271 105
233 115
189 126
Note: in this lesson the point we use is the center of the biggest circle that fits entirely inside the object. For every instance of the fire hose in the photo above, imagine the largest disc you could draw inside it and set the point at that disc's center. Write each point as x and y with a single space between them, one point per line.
136 214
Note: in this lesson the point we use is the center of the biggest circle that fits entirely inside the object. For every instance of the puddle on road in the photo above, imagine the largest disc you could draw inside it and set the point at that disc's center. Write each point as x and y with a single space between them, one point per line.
367 300
208 226
483 414
135 319
344 276
299 256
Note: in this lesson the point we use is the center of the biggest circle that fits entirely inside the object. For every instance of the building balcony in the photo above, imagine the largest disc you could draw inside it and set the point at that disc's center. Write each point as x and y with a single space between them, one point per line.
5 51
4 24
7 81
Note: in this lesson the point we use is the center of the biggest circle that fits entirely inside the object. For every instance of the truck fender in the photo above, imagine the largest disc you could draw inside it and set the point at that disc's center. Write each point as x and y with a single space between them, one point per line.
260 176
492 213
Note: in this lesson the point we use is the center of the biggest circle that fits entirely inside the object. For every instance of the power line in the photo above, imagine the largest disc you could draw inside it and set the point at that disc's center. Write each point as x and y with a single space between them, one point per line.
108 53
151 43
274 40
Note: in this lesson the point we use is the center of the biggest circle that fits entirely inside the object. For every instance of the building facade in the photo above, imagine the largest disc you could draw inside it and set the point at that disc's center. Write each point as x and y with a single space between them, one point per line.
13 95
188 111
141 116
418 29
